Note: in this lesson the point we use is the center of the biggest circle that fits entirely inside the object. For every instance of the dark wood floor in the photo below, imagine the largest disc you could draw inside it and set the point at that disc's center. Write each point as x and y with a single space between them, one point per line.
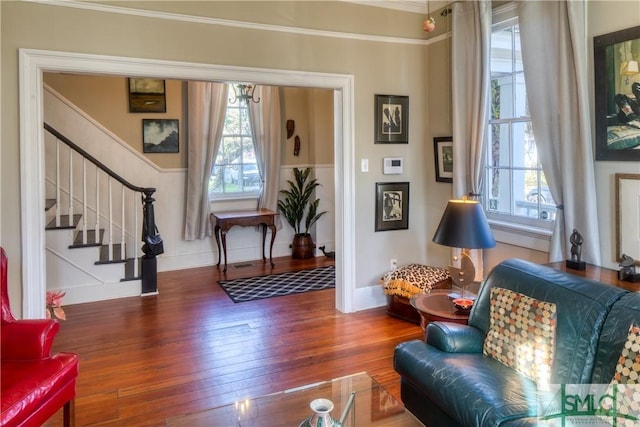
191 348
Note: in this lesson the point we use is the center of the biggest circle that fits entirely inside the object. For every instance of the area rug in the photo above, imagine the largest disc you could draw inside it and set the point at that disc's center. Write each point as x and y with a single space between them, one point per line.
275 285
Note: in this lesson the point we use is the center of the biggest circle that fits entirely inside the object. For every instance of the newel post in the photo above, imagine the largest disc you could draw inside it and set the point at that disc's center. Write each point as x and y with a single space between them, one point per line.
149 265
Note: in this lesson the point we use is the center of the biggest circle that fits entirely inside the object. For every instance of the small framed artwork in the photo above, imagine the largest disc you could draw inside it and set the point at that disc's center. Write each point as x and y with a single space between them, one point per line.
443 148
392 206
147 96
617 95
628 215
392 119
160 135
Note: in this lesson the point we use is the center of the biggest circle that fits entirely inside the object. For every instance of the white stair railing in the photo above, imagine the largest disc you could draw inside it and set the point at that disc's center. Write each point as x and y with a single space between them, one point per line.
117 227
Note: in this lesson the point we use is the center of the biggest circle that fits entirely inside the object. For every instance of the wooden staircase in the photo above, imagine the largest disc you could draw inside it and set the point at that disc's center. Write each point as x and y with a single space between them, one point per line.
102 245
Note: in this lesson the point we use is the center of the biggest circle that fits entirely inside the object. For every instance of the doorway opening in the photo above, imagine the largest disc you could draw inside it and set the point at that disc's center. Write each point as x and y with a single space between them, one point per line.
33 63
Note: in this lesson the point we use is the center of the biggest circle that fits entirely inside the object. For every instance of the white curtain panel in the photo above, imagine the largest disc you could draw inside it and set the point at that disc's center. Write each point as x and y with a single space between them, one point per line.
555 64
266 125
207 104
470 56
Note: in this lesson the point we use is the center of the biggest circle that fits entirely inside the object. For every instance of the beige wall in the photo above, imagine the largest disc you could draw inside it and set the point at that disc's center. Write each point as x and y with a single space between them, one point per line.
312 112
105 99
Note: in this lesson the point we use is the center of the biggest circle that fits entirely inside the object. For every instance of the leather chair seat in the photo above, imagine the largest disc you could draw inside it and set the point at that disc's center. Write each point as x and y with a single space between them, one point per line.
34 384
49 380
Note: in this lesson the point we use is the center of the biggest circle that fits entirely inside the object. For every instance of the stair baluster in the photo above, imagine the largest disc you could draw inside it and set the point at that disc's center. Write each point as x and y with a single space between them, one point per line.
97 237
84 201
122 225
110 199
57 182
70 211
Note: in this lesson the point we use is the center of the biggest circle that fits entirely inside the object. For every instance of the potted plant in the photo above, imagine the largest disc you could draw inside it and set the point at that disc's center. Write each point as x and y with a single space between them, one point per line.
299 210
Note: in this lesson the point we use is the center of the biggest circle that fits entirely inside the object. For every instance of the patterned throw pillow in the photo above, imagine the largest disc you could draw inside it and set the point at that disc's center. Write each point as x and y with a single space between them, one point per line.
627 380
628 367
412 279
522 333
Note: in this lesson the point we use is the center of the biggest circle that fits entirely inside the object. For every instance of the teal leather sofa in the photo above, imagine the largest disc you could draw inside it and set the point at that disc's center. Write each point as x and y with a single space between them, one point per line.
447 381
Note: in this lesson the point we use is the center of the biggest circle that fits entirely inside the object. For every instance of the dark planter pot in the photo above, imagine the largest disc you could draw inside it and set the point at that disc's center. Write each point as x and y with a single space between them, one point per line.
303 246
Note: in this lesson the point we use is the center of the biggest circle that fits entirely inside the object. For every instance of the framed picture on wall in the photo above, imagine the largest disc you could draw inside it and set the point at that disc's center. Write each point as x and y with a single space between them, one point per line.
627 216
392 119
160 135
616 58
392 206
443 150
147 96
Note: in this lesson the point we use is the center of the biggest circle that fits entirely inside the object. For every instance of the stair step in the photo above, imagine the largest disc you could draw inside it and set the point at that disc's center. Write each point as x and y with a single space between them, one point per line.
91 239
104 255
64 222
128 270
48 204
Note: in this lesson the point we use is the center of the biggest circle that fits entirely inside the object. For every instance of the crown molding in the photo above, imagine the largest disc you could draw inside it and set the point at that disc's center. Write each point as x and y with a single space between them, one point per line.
97 7
414 6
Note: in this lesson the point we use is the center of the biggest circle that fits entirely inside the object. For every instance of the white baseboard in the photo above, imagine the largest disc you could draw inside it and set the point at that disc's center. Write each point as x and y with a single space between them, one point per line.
101 292
370 297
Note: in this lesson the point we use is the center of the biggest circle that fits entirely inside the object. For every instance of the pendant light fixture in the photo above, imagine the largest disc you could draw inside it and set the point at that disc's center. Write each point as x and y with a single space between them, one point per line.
429 24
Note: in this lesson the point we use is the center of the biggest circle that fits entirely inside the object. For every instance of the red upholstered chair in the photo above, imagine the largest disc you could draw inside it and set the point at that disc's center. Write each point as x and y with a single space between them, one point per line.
34 385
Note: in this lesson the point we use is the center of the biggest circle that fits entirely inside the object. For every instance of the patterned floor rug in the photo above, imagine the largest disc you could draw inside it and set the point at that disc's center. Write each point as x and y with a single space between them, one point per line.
275 285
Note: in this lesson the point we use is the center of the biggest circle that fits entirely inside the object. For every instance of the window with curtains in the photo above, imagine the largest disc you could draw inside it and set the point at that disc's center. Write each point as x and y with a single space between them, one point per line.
515 186
235 171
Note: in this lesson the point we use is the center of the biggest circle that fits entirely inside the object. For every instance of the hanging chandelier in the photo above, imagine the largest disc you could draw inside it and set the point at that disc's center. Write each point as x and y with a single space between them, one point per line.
243 92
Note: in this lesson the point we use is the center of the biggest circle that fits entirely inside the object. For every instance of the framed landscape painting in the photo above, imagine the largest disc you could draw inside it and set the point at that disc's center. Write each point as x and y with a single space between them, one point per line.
616 58
160 136
147 96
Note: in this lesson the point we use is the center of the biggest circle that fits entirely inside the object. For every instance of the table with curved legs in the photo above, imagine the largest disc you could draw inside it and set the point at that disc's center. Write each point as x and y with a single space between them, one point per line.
223 221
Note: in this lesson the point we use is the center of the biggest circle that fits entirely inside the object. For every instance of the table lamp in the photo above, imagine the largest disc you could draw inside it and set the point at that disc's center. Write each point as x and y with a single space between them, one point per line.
464 225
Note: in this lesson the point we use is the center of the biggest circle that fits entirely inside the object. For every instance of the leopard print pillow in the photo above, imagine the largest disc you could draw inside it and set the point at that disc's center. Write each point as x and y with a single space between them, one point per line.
412 279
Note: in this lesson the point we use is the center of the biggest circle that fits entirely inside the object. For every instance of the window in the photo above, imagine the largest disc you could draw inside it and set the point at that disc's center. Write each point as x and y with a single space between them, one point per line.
235 171
516 187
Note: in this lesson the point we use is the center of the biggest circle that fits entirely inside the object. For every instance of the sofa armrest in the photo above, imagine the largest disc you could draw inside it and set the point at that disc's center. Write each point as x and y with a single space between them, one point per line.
454 338
28 339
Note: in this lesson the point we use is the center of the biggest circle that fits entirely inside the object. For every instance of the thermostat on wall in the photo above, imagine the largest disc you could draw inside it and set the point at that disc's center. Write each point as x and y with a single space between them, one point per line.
392 165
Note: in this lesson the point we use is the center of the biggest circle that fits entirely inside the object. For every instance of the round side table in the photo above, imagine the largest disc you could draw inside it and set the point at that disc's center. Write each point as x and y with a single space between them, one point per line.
436 306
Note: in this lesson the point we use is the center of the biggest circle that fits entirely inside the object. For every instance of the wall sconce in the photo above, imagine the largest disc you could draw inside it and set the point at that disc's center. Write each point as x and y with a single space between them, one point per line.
243 92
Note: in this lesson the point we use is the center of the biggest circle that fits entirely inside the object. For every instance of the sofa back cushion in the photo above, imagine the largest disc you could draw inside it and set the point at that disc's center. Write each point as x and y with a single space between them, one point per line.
581 309
615 332
521 333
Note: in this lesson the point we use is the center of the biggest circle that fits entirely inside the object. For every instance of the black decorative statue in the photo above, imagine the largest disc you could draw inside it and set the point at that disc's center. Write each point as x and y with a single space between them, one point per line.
628 270
576 262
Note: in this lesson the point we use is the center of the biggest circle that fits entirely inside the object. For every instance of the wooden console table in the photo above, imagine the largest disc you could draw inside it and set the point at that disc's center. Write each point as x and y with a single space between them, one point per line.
599 274
223 221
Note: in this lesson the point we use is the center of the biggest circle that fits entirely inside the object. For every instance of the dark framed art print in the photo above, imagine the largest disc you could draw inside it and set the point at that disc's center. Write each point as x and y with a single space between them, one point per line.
392 206
392 119
616 58
443 151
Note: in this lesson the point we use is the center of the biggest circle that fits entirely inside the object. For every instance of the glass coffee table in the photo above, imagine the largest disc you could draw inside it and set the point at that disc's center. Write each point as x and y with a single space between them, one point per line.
358 399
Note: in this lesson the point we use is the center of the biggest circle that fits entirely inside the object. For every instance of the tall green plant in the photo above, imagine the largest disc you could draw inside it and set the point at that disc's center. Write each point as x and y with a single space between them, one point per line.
296 205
